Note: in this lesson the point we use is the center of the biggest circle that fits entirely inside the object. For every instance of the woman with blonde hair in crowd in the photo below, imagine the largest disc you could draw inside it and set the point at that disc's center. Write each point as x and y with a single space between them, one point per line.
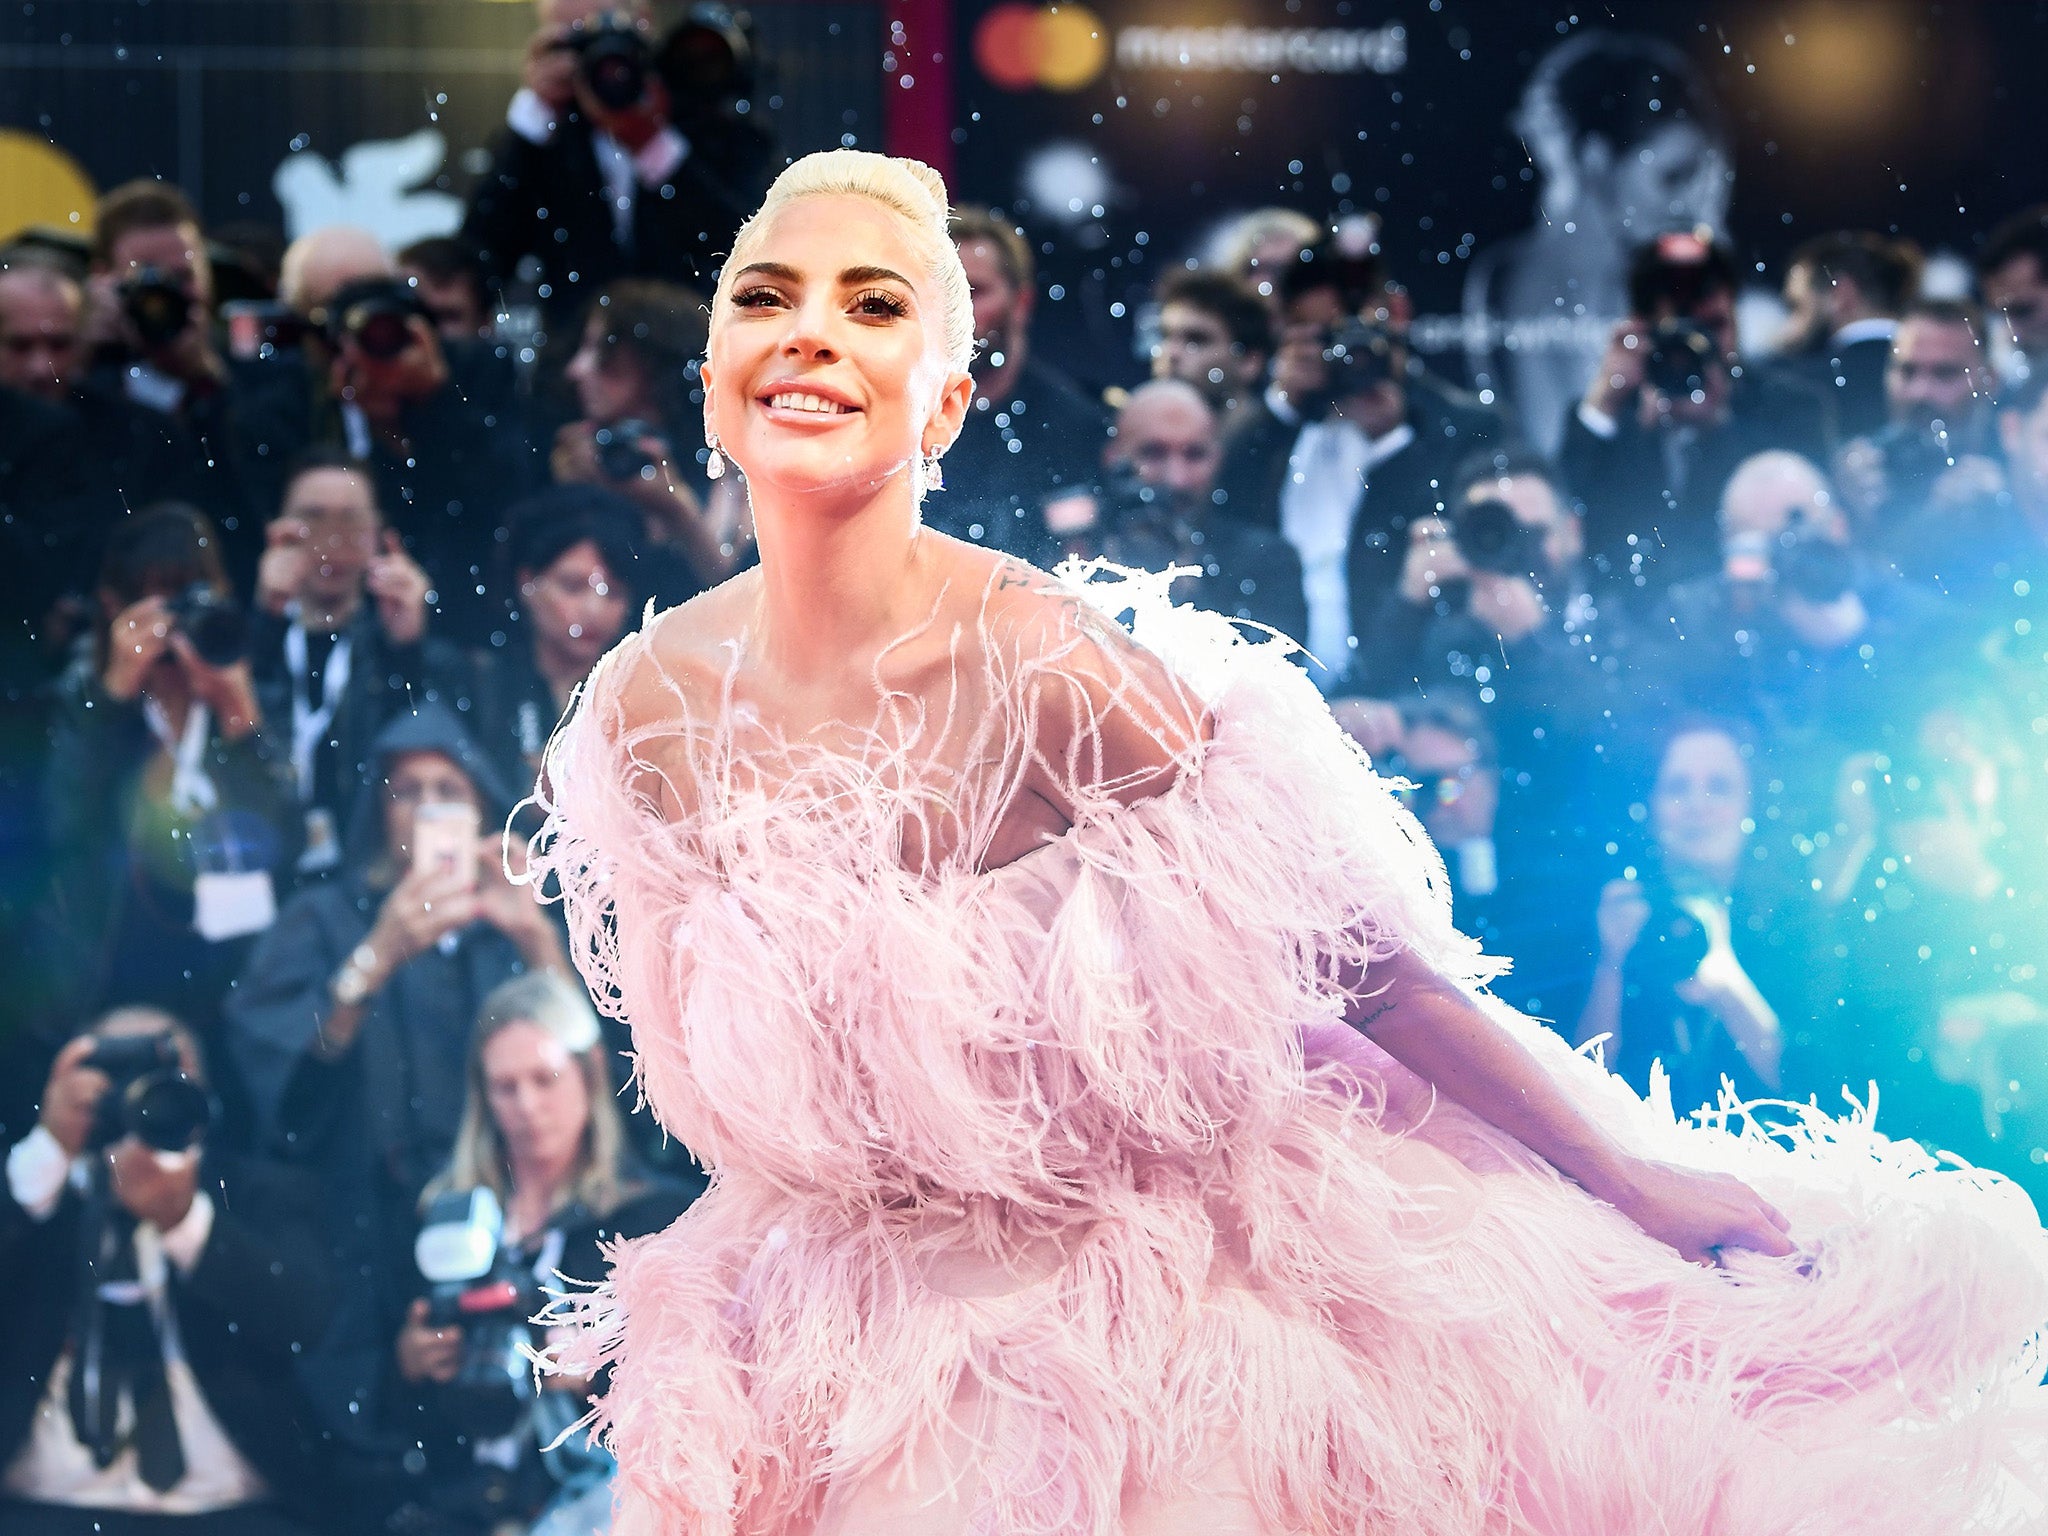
542 1132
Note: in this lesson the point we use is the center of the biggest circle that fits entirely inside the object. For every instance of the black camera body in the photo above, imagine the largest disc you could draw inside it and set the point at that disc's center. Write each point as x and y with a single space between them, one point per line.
1492 539
148 1094
1360 355
619 453
1671 945
1682 355
614 60
216 625
157 306
475 1285
377 316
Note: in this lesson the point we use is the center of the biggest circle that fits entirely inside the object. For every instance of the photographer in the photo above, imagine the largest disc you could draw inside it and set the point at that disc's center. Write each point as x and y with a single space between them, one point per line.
1215 333
1845 292
171 813
1349 446
577 560
592 175
542 1133
80 453
351 1022
1700 962
1157 508
1939 447
190 1425
1670 411
440 431
338 641
641 435
150 326
1031 433
1798 630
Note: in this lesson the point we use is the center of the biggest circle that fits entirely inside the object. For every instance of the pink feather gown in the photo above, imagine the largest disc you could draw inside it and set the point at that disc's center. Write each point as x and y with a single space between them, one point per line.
1059 1198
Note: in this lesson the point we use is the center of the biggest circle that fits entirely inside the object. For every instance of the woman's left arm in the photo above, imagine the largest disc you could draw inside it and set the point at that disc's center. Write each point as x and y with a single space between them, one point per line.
1431 1027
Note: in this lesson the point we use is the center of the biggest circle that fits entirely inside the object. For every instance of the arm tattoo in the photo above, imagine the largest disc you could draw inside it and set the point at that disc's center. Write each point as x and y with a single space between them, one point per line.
1379 1010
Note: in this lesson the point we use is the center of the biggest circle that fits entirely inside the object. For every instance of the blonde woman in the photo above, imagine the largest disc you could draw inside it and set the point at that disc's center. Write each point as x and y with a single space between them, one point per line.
542 1132
1109 1132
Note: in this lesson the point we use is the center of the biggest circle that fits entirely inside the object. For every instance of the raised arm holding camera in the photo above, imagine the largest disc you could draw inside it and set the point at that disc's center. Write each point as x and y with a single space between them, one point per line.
1670 411
170 807
603 170
163 1290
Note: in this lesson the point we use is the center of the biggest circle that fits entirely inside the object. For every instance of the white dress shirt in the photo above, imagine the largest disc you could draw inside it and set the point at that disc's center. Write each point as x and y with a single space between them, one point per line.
624 170
52 1467
1328 472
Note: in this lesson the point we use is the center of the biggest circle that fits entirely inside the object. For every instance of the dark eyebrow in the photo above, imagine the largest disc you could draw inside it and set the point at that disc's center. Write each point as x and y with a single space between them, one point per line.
847 278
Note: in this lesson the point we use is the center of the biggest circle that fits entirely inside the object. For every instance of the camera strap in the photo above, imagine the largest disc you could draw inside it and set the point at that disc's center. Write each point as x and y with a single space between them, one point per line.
310 723
192 791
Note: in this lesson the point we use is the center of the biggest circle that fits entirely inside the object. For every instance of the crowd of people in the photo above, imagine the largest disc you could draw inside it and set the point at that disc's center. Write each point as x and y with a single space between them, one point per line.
1727 717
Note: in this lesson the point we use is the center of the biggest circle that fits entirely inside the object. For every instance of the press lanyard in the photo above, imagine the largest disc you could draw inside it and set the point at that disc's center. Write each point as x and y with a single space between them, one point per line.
191 790
309 725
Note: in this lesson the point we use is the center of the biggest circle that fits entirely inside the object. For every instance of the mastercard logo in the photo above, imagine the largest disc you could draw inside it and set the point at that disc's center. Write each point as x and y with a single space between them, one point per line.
1050 47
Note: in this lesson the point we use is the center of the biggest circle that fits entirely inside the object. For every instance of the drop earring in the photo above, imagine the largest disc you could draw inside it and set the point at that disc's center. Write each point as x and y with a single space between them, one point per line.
928 470
714 462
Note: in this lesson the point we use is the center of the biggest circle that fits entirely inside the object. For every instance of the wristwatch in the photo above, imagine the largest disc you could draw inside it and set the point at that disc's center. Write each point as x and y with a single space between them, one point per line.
352 983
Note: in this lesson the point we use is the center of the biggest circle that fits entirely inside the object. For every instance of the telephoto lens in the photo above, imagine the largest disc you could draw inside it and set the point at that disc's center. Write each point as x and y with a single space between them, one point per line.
156 306
214 624
614 63
1680 356
148 1096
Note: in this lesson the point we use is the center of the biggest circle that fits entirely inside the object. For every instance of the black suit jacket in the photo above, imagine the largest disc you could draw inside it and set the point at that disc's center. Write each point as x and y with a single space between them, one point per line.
258 1295
549 201
1850 382
1630 492
1415 482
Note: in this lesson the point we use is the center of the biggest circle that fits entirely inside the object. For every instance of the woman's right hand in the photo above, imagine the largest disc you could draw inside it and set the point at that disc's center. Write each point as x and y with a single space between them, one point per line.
1623 911
426 1353
136 641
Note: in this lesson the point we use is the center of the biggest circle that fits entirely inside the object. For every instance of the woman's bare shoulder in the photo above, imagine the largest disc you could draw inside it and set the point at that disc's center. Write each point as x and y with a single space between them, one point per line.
678 662
1139 716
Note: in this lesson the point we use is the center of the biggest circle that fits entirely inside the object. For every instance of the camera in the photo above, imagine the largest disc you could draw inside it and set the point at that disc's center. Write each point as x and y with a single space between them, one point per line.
1816 570
707 61
613 62
259 328
619 453
148 1096
476 1286
1494 540
214 624
1360 355
377 316
156 305
1681 356
1671 946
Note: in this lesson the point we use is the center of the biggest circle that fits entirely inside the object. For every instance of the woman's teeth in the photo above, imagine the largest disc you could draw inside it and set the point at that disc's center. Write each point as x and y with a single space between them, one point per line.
809 403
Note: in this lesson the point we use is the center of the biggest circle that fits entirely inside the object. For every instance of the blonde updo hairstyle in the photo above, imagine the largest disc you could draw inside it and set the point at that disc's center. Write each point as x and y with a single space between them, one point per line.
908 188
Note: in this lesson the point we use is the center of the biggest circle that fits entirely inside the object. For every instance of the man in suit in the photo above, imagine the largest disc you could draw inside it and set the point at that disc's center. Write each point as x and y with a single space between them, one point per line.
1350 444
1940 442
1158 508
1669 413
1845 291
593 189
205 1283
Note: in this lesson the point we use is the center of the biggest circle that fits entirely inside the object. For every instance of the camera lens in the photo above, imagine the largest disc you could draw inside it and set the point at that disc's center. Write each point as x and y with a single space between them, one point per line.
156 307
1680 356
381 333
213 624
165 1110
1493 539
615 63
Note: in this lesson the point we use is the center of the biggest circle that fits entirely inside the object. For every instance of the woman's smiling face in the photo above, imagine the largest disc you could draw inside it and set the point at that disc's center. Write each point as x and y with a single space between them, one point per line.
827 368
